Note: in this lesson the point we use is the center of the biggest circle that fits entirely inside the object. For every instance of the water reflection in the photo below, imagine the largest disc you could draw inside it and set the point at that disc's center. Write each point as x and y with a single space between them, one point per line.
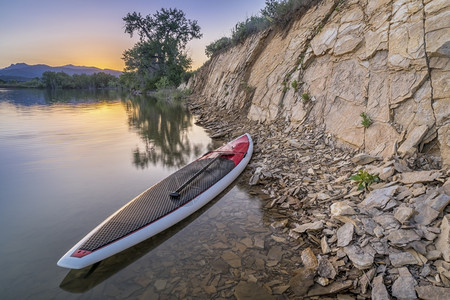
164 130
29 97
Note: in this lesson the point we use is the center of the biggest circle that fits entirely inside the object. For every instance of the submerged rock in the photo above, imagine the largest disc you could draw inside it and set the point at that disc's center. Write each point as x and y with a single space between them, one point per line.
250 290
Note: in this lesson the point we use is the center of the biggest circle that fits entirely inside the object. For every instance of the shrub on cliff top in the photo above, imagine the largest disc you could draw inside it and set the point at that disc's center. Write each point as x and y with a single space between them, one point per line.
217 46
281 12
276 12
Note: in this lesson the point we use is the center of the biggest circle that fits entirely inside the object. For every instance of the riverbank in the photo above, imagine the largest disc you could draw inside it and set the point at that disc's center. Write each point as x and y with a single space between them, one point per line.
391 240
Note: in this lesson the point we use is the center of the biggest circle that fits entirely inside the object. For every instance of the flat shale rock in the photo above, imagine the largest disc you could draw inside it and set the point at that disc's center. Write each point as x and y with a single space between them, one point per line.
364 159
345 234
326 268
333 288
360 258
341 209
308 226
443 241
379 291
378 198
431 292
403 287
232 259
309 259
402 259
403 236
403 214
249 291
419 176
302 281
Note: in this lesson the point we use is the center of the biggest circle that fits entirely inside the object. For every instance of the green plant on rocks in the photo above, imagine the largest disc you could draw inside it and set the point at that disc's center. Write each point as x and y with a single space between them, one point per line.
366 120
364 179
294 85
306 97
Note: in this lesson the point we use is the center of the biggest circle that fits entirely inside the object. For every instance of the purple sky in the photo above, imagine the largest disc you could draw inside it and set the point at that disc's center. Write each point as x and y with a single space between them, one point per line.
91 32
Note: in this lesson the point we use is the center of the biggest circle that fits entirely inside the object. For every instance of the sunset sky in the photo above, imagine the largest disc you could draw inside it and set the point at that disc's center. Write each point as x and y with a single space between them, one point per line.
91 32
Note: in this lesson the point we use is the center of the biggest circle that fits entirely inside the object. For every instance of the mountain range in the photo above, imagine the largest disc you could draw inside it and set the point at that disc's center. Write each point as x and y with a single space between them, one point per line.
25 72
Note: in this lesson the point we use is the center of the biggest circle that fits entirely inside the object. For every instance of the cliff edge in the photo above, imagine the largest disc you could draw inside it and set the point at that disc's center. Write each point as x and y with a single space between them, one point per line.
387 59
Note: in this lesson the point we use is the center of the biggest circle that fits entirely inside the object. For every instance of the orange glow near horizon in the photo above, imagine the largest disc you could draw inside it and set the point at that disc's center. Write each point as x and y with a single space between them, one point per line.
91 33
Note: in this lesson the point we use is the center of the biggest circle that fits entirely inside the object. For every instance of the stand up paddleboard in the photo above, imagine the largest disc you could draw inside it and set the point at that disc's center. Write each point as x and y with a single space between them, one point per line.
163 205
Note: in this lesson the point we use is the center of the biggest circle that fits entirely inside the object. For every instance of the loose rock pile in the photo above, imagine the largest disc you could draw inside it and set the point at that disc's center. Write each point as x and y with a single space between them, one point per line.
391 240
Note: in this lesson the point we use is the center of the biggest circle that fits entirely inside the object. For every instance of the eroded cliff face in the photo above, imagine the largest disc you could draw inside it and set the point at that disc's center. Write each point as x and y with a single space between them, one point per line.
389 59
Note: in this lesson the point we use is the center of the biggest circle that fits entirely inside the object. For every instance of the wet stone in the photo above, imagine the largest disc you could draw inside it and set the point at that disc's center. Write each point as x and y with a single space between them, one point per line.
302 280
309 259
280 224
275 253
250 290
308 226
232 259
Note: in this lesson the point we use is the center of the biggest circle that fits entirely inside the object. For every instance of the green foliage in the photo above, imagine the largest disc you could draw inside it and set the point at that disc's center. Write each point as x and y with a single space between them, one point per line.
280 12
306 97
161 50
217 46
366 121
163 83
275 13
252 25
294 85
364 179
61 80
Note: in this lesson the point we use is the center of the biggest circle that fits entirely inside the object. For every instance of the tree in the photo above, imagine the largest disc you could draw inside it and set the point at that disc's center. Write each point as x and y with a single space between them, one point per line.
160 51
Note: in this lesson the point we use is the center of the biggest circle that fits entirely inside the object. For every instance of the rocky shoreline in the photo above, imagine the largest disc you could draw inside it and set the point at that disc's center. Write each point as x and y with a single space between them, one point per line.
391 240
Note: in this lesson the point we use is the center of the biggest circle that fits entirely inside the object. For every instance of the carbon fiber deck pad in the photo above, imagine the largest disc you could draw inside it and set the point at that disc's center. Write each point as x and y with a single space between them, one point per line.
156 202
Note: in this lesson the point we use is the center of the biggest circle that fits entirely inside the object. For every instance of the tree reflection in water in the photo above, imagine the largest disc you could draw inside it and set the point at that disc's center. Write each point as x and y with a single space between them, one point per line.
163 127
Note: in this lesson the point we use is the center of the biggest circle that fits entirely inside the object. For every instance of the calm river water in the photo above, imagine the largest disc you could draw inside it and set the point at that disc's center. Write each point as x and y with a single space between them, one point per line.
69 159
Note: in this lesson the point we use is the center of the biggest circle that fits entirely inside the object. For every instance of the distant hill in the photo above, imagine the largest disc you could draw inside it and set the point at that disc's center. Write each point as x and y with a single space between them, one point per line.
25 72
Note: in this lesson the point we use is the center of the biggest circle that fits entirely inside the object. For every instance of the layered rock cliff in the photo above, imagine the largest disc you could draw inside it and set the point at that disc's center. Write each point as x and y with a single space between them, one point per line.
387 58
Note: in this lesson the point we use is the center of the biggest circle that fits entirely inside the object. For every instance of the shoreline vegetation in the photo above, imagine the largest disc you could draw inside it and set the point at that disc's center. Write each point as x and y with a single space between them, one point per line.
62 80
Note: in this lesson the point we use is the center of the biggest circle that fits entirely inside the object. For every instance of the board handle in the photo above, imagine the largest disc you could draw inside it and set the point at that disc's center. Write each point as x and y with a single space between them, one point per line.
176 193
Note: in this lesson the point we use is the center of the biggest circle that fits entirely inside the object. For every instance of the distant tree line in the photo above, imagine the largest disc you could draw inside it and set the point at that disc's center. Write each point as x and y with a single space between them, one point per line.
61 80
275 13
